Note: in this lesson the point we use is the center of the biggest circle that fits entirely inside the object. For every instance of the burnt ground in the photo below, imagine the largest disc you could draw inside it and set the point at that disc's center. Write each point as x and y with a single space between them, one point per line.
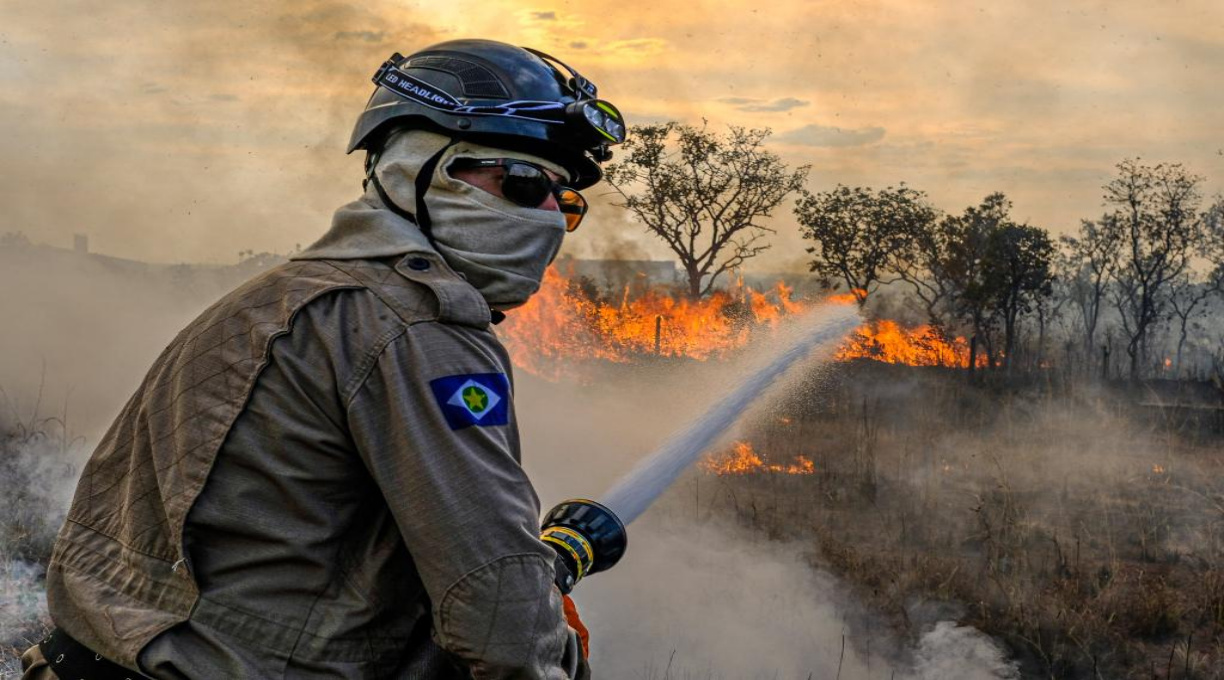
1079 524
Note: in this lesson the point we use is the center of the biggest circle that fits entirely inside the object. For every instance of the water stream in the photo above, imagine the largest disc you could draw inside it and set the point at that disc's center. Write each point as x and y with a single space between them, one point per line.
635 492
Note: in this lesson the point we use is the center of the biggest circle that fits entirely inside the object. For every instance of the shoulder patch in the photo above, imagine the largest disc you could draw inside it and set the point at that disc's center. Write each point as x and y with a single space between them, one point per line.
480 399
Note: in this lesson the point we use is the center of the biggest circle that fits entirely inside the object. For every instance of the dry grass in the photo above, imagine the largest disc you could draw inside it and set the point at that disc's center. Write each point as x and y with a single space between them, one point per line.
34 467
1088 541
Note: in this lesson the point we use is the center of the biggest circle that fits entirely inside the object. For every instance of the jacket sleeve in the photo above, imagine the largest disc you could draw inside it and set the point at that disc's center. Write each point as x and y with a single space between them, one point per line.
468 514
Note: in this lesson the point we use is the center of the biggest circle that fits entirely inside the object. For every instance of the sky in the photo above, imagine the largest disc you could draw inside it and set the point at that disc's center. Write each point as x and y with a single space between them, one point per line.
187 132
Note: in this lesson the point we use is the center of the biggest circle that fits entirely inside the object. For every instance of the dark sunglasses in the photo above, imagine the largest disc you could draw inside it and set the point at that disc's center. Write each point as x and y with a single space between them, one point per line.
529 185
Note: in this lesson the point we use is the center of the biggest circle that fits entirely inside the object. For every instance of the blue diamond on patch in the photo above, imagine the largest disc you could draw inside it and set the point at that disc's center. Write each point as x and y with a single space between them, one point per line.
475 399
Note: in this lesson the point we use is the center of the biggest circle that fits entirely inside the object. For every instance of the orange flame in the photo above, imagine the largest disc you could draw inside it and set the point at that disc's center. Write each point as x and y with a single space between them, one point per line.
743 460
889 342
565 324
855 296
561 322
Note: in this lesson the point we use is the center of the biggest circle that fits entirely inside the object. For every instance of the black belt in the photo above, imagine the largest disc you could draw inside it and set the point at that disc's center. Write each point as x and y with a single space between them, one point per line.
72 660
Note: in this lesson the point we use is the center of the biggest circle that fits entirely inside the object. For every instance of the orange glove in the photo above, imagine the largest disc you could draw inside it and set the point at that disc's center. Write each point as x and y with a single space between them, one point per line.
571 617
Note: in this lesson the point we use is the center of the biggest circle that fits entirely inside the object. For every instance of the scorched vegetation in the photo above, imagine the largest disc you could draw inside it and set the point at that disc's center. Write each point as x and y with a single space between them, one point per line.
33 464
1086 533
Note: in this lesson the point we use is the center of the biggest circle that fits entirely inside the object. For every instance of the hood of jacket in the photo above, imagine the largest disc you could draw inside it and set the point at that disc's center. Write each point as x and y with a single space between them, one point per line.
500 248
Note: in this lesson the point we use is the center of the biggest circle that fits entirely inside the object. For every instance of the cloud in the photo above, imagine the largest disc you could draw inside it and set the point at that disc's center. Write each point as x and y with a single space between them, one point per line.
640 46
760 105
363 36
544 16
824 135
578 45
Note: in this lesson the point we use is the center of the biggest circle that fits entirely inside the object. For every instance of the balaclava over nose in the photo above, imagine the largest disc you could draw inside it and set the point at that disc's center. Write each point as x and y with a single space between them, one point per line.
500 247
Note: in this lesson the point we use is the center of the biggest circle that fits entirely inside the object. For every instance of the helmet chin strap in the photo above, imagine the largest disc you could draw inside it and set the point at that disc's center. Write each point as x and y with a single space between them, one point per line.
423 179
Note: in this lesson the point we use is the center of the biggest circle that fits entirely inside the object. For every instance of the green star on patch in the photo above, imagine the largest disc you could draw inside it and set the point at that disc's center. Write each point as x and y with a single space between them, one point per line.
475 399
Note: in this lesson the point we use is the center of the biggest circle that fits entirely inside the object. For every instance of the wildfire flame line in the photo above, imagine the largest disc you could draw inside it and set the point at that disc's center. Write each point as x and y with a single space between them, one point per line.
887 341
743 460
565 324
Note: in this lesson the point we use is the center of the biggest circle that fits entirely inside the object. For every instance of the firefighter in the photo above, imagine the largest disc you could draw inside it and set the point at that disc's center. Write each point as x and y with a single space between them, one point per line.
320 476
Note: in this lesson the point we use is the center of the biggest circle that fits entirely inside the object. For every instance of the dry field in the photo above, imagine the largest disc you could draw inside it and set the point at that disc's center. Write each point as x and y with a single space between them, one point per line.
1087 538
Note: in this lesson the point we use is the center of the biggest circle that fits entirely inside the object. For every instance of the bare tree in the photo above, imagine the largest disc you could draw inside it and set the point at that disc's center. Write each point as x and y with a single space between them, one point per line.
704 194
1049 313
1089 262
862 235
1190 292
923 266
1156 207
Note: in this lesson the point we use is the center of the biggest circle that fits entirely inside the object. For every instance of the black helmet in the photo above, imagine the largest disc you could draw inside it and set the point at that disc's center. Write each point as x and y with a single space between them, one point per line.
495 94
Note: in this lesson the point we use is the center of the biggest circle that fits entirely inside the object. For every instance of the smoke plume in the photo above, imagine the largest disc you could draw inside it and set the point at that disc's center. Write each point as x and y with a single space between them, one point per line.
694 597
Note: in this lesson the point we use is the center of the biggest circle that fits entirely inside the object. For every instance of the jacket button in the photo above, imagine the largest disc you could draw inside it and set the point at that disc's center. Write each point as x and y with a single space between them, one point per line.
419 264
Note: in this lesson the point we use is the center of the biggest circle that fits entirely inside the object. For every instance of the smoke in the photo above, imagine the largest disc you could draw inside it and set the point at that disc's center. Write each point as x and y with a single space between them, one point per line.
37 480
712 604
81 331
201 132
952 652
696 597
710 601
822 329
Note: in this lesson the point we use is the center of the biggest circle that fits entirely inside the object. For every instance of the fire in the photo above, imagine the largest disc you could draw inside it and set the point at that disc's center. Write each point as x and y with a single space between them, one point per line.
565 325
743 460
562 322
1158 469
855 296
889 342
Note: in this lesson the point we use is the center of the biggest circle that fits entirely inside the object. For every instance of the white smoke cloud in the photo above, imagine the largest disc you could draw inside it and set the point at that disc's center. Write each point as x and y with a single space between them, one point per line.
692 598
952 652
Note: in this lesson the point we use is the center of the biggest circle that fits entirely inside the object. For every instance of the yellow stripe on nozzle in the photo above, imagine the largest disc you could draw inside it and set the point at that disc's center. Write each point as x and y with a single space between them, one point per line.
589 537
575 545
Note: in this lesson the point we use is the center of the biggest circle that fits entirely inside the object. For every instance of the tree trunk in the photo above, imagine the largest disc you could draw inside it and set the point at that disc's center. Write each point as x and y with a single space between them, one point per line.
1134 350
1181 343
694 281
1041 338
1009 338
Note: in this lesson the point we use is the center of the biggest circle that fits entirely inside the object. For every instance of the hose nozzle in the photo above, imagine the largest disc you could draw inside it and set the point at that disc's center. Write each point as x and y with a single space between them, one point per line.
587 536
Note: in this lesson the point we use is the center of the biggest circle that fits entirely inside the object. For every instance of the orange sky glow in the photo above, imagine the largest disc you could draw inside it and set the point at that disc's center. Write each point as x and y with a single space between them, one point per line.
186 132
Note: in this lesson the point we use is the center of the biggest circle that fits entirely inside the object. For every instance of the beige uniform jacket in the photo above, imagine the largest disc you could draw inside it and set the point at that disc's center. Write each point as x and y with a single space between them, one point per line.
308 485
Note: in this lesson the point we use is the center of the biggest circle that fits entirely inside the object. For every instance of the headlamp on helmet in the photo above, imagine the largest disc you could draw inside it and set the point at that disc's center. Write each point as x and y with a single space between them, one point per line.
597 120
499 95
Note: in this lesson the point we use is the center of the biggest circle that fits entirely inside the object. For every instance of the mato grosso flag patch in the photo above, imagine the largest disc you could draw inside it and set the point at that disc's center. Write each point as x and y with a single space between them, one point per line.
480 399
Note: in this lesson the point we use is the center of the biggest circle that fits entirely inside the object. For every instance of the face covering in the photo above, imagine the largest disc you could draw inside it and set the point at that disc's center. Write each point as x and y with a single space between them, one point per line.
500 248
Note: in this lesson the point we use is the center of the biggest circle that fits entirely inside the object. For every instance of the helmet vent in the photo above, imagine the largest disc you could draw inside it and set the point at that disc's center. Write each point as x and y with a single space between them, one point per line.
477 80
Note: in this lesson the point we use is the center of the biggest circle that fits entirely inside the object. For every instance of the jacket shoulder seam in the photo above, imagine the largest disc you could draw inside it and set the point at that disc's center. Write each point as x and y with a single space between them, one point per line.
370 360
395 309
